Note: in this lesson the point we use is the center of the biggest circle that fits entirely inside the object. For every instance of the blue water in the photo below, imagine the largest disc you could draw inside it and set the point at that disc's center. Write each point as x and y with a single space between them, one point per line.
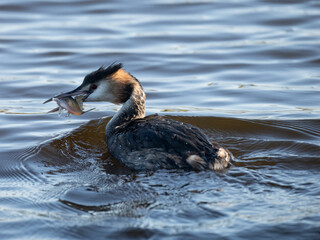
246 72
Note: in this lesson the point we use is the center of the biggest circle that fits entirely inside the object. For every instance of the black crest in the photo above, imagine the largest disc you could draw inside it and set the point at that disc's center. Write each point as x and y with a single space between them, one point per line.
101 73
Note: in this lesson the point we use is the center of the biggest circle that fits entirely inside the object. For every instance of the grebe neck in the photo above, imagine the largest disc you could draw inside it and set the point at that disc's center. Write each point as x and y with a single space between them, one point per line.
132 109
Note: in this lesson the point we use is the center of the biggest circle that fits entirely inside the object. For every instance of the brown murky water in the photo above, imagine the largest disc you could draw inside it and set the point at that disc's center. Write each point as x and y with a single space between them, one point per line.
246 72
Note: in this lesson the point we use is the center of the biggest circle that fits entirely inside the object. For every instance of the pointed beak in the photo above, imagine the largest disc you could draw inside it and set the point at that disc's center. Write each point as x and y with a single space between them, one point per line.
75 92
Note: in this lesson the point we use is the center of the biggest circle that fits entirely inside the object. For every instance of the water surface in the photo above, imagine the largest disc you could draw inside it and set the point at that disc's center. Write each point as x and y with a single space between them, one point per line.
246 72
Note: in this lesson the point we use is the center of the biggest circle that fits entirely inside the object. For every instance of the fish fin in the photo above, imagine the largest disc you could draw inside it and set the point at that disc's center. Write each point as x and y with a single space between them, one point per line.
54 110
88 110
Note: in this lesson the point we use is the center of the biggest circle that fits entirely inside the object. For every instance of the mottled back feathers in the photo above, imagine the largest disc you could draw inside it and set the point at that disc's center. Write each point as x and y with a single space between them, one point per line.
156 141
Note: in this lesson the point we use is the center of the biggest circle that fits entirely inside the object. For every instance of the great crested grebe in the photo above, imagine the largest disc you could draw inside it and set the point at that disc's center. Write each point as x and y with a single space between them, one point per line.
152 142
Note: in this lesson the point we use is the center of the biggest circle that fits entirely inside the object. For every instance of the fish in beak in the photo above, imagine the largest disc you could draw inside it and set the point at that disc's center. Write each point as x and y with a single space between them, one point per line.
76 92
67 102
111 84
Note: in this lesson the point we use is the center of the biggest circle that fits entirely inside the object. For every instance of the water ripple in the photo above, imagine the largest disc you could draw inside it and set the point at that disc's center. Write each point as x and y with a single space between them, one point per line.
249 71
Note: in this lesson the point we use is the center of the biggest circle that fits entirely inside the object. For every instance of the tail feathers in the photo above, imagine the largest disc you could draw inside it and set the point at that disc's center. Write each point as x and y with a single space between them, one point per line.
197 162
220 162
224 157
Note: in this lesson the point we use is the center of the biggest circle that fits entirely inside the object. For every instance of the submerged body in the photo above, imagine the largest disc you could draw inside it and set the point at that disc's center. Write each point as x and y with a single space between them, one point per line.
155 142
152 142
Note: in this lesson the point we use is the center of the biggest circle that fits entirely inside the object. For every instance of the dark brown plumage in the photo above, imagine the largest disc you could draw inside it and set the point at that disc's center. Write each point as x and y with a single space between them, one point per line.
147 143
156 142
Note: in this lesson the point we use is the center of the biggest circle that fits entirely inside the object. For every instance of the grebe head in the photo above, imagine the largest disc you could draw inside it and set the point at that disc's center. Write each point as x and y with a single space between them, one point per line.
110 84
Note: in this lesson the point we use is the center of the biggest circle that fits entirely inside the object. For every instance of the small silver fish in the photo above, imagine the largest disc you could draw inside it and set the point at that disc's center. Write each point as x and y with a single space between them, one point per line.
73 106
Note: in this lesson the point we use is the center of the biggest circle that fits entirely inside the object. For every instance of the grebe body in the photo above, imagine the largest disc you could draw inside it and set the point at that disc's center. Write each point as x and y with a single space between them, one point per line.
155 142
147 143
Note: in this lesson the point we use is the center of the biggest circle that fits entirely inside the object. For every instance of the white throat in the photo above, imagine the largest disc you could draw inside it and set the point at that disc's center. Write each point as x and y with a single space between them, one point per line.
132 109
102 93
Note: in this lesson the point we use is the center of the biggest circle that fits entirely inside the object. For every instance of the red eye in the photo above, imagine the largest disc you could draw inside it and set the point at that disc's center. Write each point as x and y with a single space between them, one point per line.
93 87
